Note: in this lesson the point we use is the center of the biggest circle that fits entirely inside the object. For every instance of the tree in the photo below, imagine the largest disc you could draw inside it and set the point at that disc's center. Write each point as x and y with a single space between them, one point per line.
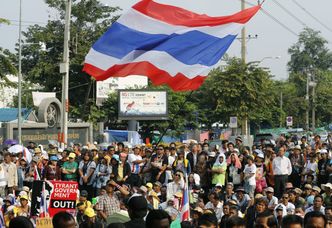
310 57
7 67
239 89
308 54
89 21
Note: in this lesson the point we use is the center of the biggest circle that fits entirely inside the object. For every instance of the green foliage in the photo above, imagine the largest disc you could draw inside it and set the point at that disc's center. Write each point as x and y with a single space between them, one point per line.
89 21
7 67
239 89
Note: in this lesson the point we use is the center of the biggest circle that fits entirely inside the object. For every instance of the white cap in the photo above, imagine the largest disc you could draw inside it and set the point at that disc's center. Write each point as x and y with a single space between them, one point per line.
323 151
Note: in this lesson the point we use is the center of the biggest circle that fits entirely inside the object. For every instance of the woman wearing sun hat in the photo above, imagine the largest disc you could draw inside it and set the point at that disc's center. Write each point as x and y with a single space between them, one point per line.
23 209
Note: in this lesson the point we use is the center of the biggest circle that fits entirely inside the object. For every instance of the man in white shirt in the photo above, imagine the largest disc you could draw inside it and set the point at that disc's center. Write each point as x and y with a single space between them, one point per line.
215 205
271 199
282 168
135 161
290 208
318 205
171 158
176 185
250 177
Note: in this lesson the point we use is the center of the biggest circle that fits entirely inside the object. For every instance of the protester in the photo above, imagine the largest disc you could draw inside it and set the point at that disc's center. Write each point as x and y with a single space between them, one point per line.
125 185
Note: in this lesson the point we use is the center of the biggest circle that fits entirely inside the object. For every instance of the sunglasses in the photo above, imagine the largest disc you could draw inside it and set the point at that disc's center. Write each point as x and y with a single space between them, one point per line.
178 175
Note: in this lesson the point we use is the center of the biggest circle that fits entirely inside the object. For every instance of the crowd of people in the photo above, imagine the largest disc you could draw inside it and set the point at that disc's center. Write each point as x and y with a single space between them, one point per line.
283 184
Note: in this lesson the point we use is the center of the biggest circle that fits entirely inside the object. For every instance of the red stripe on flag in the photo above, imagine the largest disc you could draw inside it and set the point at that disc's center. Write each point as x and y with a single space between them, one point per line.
178 16
178 82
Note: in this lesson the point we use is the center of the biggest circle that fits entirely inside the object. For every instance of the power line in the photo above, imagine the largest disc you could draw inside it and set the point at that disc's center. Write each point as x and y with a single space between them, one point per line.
290 13
279 22
274 19
312 16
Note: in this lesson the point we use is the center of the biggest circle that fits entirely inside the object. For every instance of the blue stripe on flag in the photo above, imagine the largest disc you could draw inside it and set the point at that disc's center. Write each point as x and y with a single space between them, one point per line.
193 47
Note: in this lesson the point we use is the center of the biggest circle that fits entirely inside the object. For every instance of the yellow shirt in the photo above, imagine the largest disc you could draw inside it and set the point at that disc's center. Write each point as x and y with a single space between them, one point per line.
120 172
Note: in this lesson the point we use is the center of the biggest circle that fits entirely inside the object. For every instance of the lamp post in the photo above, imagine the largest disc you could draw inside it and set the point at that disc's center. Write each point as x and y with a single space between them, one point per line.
19 92
64 68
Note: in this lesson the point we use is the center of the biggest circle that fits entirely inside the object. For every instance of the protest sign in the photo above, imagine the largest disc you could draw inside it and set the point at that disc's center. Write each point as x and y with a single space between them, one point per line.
63 197
56 196
44 223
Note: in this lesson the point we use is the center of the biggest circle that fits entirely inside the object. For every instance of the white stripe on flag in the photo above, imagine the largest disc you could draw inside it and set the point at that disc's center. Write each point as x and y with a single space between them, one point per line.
140 22
162 60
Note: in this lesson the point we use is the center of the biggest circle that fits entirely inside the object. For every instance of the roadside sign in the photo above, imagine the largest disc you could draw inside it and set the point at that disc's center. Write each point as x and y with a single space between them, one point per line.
233 122
289 121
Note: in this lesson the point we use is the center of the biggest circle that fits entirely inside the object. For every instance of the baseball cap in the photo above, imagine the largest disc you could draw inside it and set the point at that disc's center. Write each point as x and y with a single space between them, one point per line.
328 185
24 197
89 212
53 158
157 183
72 155
211 154
260 155
297 147
218 185
149 185
323 151
269 189
240 189
308 186
37 150
257 151
143 189
316 188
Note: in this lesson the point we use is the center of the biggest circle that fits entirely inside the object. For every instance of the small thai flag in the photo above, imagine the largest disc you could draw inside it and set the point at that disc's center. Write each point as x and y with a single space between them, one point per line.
36 175
43 203
185 209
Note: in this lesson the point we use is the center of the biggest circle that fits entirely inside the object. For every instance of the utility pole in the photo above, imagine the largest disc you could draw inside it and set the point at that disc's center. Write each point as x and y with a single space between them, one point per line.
313 114
308 102
281 104
19 93
64 68
243 56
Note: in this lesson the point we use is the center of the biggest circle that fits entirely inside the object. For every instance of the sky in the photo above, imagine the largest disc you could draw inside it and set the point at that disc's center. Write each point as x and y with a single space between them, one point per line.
270 46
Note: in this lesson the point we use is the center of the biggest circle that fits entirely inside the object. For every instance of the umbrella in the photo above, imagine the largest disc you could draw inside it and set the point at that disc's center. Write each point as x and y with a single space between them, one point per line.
10 142
118 217
21 149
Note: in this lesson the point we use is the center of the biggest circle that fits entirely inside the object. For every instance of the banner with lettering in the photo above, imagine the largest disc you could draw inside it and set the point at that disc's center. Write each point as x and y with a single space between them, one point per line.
63 197
51 197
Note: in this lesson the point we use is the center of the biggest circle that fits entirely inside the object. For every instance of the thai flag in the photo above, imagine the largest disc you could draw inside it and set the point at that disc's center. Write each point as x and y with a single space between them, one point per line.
168 44
43 203
2 220
185 203
36 175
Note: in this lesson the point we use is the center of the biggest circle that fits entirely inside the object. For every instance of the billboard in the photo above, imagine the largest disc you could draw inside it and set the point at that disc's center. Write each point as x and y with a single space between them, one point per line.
104 88
142 105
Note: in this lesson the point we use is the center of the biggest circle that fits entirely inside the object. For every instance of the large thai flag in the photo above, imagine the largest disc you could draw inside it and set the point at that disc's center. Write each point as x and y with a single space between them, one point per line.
168 44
